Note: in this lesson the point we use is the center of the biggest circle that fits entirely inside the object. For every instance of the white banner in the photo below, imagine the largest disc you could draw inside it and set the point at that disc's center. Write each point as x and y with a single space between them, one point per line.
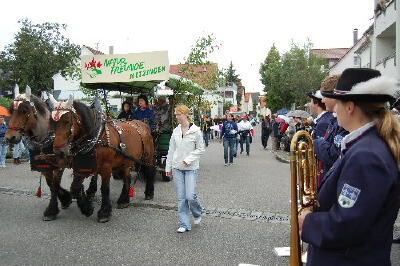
125 67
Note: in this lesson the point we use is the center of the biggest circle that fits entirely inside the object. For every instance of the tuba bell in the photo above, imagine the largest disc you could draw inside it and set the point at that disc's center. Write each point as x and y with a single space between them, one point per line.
303 168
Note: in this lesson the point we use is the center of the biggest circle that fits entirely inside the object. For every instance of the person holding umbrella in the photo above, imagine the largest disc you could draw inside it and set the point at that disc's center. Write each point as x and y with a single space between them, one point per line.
323 117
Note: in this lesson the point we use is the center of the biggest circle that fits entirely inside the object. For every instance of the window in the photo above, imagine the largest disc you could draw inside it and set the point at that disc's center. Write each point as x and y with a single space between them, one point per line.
357 60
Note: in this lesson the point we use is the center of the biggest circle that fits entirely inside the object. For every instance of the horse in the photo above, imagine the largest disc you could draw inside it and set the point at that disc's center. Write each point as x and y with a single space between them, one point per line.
30 117
121 146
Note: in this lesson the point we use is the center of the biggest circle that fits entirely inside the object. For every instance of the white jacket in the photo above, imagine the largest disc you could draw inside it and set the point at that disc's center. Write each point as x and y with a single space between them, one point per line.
185 149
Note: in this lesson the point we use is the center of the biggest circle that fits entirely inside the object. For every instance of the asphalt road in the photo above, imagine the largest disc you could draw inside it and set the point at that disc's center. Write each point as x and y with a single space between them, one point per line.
247 216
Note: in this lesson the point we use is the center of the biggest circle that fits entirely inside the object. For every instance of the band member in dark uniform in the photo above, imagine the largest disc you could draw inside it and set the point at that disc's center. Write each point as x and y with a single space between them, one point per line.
359 202
323 117
327 148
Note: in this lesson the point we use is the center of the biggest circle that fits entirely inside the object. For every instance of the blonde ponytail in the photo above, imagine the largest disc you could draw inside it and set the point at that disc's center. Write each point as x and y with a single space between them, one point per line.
388 128
387 125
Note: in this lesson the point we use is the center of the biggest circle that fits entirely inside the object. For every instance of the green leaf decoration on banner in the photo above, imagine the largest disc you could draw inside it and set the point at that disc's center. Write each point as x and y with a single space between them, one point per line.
98 71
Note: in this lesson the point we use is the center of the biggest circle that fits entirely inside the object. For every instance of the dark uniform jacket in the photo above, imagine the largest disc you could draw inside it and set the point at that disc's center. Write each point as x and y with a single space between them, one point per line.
322 125
358 207
327 149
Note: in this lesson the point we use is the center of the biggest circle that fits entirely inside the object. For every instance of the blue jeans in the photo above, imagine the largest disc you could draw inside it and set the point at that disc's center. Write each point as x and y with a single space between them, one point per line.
235 148
245 139
229 149
206 137
186 191
17 150
3 153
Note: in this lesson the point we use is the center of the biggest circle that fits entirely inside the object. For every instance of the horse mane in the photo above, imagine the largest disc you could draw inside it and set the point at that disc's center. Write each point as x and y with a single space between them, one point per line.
40 106
86 115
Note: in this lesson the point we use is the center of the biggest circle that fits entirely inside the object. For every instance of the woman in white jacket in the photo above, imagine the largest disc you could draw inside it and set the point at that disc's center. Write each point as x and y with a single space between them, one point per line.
185 147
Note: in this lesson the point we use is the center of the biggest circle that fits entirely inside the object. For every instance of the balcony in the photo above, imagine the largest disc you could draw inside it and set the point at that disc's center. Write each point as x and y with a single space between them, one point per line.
387 66
384 20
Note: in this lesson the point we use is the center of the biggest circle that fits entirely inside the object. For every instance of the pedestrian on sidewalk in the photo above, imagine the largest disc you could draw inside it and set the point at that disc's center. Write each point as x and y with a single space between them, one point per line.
206 129
3 143
228 134
265 131
274 133
246 131
18 148
359 201
185 147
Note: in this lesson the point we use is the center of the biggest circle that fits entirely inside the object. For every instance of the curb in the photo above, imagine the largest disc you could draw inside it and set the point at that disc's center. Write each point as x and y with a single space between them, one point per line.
281 159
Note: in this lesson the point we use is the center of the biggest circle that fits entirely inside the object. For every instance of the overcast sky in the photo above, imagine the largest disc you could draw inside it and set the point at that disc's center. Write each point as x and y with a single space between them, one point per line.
246 29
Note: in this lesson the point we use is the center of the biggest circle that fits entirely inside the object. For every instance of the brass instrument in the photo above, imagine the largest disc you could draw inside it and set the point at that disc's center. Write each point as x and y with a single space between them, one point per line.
303 168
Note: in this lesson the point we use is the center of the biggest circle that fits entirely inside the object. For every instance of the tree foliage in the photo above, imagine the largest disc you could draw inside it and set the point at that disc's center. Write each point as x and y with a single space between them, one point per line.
288 78
198 68
230 74
39 51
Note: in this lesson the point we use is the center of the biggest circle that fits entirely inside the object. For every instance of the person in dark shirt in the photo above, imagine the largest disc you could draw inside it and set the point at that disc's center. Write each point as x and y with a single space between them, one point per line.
265 131
228 134
144 113
126 113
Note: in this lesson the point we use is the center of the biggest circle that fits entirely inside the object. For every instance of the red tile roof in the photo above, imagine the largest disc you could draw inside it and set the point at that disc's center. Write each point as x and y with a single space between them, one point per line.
176 69
93 51
332 53
201 73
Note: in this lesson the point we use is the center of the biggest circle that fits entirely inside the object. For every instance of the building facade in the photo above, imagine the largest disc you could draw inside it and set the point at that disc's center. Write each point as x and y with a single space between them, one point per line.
379 46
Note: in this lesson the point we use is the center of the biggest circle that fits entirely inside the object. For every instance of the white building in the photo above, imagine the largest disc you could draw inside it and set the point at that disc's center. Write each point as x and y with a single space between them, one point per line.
229 93
379 47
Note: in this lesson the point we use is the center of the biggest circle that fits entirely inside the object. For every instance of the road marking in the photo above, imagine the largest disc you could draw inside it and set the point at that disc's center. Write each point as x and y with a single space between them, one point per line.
225 213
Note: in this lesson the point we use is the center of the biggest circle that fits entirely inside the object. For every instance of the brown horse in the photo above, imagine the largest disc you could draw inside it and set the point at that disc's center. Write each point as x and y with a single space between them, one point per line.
30 117
121 146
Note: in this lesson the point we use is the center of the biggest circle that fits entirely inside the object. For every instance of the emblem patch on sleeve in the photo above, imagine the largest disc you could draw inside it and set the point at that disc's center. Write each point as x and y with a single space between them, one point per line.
338 140
348 196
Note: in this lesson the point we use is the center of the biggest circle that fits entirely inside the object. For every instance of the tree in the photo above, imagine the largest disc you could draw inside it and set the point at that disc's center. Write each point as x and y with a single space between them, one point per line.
39 51
199 69
230 74
288 78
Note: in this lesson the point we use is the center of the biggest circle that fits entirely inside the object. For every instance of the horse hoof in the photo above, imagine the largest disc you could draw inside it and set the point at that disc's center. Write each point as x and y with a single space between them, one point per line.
103 219
49 218
122 205
66 205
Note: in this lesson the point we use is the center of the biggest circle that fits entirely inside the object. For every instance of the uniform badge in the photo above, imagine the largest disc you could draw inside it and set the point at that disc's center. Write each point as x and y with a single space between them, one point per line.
348 196
338 140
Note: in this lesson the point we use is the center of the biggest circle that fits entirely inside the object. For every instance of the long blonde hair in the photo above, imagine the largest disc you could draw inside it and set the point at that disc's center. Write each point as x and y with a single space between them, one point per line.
183 109
387 125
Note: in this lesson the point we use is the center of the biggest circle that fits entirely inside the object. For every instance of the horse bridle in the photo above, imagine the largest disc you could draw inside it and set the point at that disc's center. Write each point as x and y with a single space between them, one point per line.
71 130
17 102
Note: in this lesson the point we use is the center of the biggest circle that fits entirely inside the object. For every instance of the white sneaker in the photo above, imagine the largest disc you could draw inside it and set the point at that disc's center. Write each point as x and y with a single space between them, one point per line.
182 230
3 166
197 220
226 164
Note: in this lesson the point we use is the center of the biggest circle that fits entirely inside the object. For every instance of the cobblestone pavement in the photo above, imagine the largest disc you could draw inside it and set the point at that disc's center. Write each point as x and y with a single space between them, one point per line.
247 215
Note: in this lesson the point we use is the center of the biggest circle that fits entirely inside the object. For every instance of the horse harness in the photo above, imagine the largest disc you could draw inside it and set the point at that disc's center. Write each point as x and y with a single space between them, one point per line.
16 104
86 143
